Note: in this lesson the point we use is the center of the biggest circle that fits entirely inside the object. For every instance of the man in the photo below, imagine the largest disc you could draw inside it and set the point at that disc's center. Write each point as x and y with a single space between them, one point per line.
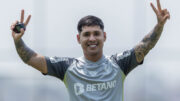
94 76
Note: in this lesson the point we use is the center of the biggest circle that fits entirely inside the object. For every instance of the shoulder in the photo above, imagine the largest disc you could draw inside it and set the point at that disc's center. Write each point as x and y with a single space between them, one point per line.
122 55
59 59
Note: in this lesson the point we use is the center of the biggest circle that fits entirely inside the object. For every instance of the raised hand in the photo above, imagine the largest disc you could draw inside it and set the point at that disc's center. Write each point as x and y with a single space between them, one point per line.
150 40
17 36
162 14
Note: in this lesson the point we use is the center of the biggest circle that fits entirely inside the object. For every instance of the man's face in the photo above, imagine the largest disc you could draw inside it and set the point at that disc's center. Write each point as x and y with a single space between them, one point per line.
92 39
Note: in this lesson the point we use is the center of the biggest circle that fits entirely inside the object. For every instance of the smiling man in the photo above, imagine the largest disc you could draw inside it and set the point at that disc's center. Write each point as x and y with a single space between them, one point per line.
94 76
91 37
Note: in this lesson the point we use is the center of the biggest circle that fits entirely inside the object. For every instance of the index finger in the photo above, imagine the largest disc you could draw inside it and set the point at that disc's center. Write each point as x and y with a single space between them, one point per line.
155 10
22 16
158 5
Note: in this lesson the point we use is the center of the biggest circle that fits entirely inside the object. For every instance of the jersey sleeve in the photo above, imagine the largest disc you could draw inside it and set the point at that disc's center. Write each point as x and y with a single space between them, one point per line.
126 60
57 66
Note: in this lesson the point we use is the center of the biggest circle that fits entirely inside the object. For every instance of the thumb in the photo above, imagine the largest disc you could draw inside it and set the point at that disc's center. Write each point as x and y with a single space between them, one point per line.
165 17
22 32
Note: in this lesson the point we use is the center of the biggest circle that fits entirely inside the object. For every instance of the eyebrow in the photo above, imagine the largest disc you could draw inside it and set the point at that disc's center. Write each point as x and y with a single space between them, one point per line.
97 31
85 32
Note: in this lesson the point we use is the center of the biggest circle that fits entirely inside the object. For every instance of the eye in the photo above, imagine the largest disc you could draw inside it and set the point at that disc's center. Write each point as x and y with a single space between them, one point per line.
96 33
86 34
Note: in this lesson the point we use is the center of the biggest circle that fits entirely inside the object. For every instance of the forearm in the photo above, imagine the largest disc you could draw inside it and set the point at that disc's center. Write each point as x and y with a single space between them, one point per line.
23 51
151 39
148 42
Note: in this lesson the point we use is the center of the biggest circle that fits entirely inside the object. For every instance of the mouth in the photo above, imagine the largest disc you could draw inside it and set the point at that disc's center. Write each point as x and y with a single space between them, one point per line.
92 45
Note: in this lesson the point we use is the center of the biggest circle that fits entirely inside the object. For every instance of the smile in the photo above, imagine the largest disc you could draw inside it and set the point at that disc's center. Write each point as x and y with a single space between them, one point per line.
92 46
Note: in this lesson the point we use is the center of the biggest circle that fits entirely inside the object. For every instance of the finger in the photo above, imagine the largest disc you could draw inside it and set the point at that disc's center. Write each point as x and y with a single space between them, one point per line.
22 16
163 12
166 17
154 9
158 5
22 32
27 20
166 13
13 25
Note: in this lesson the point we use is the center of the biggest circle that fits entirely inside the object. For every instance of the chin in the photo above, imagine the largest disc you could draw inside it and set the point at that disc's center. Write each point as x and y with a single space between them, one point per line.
93 53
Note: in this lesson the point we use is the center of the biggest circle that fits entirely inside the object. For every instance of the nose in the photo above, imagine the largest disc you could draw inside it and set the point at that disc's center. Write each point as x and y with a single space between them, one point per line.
92 37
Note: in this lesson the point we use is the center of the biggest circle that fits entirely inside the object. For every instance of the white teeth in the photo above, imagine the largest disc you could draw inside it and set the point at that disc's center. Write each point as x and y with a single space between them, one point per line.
92 46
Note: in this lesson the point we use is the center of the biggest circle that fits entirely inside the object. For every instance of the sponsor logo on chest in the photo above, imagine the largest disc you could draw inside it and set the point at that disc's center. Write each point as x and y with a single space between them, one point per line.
80 88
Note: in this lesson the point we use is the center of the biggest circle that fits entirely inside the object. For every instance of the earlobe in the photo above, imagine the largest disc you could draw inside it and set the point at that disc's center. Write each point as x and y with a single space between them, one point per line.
78 38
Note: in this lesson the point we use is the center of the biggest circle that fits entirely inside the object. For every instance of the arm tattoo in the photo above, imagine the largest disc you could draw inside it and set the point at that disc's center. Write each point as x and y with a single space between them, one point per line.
24 52
148 42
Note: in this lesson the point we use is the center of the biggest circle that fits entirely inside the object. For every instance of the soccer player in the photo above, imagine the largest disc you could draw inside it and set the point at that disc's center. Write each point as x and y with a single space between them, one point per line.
94 76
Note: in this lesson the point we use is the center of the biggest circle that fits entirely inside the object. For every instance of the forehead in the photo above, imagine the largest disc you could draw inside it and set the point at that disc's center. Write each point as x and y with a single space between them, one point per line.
91 29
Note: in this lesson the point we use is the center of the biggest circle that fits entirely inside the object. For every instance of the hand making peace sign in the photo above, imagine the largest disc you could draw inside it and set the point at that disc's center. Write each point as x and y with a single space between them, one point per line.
162 14
18 36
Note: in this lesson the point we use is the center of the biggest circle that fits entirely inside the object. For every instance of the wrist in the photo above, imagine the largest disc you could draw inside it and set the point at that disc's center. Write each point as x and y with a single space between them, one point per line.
17 40
160 25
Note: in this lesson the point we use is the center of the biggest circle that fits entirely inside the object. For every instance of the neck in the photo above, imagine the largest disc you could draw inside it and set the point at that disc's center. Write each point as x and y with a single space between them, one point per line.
93 58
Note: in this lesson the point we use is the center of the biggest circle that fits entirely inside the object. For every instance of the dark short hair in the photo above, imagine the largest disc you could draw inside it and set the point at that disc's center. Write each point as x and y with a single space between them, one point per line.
89 20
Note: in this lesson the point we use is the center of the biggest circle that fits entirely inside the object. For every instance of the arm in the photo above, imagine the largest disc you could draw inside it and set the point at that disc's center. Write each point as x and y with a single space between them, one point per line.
30 57
26 54
150 40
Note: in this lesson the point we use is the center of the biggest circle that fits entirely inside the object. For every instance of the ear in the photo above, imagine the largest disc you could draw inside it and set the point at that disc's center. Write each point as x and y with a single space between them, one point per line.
78 38
104 36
